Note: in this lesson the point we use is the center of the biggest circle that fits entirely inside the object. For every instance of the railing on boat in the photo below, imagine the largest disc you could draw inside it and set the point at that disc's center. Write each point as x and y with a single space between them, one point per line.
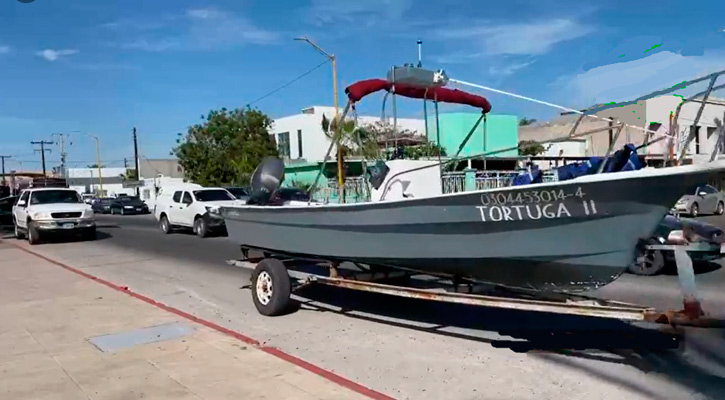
454 182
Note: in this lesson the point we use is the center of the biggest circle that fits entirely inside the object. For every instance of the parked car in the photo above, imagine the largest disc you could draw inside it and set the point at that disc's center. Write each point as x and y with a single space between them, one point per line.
240 193
128 205
705 200
284 195
193 207
704 243
6 210
102 205
41 212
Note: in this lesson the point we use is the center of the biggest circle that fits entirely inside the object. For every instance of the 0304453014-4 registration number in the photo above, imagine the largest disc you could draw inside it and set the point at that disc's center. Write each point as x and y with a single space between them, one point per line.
530 196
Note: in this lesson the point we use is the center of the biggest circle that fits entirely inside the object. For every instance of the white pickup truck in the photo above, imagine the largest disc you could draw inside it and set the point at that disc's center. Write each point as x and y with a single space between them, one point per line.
193 206
42 212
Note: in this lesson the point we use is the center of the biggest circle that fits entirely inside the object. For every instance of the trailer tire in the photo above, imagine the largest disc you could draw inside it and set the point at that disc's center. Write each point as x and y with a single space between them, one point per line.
647 262
271 288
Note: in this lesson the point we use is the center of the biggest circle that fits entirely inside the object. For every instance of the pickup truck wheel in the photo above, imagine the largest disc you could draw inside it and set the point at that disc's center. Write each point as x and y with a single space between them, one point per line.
200 228
33 234
164 225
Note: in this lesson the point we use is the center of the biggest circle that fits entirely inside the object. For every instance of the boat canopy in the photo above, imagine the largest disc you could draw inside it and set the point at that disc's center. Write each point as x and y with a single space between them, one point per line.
360 89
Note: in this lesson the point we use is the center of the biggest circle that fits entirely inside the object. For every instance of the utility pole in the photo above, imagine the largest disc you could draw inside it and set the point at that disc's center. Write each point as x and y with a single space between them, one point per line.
135 159
42 144
3 167
63 154
125 162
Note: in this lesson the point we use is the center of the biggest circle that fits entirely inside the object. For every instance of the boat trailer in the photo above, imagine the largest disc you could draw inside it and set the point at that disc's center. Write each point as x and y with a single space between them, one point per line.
274 277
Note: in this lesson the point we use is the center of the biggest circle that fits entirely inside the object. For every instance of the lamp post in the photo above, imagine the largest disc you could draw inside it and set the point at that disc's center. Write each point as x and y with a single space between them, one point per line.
333 60
98 164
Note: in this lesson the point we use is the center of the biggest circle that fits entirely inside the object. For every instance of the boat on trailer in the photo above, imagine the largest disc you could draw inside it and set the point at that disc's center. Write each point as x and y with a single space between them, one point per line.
574 234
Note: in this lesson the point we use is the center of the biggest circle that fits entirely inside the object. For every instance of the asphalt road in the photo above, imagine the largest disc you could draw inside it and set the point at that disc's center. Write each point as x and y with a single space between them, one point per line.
418 349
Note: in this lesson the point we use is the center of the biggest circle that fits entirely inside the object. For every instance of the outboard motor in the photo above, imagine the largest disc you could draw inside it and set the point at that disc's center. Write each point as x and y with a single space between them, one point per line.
266 179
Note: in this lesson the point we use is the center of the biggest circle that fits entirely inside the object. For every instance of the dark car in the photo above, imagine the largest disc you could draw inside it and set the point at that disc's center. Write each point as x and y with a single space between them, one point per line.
128 205
102 205
283 195
6 210
240 193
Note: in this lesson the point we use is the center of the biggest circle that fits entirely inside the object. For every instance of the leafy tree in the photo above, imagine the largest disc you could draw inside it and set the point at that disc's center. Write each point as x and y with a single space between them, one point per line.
95 166
530 148
370 140
526 121
226 147
129 175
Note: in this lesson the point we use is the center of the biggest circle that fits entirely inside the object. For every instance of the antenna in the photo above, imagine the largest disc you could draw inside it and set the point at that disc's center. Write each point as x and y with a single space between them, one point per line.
420 45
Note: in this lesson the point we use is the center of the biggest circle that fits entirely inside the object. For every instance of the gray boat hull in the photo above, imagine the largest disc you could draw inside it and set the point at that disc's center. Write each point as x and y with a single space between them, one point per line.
570 235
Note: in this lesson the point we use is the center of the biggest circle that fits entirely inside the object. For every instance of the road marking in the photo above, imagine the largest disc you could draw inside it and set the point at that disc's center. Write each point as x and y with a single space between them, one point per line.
326 374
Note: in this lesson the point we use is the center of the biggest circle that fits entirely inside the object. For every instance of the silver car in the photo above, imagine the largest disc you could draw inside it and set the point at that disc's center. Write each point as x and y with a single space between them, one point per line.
705 200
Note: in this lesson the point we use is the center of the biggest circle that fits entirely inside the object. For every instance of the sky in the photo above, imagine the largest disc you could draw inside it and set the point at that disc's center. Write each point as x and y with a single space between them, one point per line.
86 67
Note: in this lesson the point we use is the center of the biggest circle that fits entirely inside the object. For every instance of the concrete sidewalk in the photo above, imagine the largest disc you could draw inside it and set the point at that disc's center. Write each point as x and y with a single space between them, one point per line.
51 318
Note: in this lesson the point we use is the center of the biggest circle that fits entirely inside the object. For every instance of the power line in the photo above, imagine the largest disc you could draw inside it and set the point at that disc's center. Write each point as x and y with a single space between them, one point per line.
290 82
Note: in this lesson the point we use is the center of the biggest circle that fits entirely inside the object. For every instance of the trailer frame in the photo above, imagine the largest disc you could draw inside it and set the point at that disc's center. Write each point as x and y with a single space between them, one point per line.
283 274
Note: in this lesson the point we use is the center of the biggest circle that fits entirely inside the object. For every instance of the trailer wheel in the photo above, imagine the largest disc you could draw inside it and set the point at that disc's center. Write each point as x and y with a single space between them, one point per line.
648 262
271 287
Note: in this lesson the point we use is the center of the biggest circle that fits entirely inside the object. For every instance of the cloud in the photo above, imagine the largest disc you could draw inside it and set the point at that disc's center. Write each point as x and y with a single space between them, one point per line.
213 28
53 55
628 80
508 69
4 49
532 38
200 29
366 13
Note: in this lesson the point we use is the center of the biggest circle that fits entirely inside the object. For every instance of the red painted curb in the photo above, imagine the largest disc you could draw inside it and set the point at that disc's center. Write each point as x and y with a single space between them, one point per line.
329 375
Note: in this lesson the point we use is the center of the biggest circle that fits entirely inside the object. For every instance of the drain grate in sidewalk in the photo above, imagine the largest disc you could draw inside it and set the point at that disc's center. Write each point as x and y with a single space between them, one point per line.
121 340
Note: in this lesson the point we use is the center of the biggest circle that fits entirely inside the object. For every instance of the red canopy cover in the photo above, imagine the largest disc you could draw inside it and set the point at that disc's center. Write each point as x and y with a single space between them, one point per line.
358 90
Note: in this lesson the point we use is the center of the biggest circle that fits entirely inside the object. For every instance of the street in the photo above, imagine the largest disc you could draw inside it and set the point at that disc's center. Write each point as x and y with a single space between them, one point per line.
414 349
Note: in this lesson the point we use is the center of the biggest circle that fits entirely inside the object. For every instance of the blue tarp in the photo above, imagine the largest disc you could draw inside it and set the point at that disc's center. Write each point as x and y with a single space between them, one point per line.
625 159
533 175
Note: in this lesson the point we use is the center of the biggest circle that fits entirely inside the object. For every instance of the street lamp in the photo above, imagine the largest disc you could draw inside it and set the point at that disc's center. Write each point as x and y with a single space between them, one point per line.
333 60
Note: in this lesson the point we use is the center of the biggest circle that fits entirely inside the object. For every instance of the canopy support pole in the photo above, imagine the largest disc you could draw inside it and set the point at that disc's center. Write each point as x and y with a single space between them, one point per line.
338 133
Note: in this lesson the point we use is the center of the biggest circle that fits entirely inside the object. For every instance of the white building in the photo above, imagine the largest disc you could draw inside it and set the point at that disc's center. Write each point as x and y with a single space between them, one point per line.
88 180
651 114
300 136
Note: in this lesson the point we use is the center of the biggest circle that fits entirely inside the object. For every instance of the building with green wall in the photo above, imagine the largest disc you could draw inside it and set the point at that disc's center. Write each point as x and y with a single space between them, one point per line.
501 131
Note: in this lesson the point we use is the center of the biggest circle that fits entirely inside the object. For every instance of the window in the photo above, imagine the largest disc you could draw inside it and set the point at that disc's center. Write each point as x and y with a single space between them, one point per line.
187 198
55 196
213 195
283 146
709 189
695 131
177 197
24 197
299 143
